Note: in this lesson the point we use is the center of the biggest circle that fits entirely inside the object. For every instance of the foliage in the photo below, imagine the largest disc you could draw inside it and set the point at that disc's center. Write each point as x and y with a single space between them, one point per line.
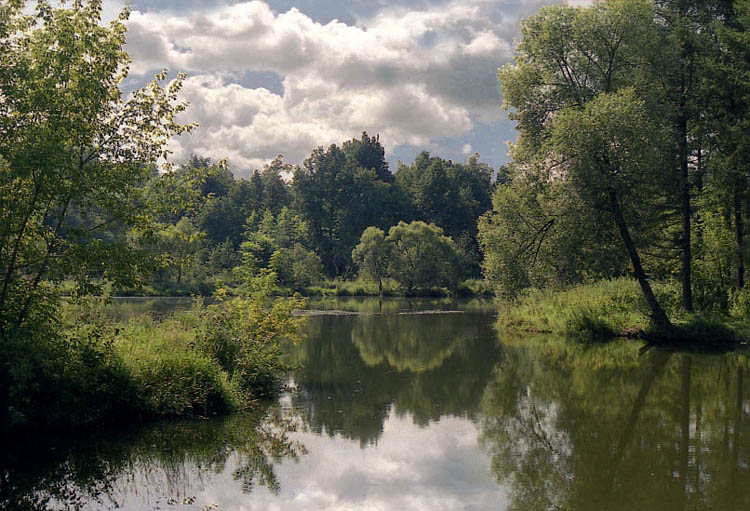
71 376
543 236
372 255
179 243
71 142
244 336
422 257
279 243
450 195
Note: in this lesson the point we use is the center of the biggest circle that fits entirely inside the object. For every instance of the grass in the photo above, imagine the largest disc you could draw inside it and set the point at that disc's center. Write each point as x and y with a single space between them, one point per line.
172 378
611 308
361 287
87 369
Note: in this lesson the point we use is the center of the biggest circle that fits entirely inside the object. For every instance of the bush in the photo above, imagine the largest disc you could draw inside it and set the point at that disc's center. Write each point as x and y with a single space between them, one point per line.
84 369
586 326
71 375
244 337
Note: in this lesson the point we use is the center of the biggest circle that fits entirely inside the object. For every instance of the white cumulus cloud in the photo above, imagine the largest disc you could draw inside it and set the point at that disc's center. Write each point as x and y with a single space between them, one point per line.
410 75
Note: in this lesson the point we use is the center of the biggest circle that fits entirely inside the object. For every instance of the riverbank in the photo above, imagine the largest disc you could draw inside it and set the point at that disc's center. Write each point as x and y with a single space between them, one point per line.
616 308
333 287
89 370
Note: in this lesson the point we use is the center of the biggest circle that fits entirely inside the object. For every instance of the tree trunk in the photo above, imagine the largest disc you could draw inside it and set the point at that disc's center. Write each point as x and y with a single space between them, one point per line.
739 228
4 392
658 316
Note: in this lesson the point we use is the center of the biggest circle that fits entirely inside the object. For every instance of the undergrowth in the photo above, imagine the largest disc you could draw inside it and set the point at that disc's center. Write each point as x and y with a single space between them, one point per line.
611 308
83 369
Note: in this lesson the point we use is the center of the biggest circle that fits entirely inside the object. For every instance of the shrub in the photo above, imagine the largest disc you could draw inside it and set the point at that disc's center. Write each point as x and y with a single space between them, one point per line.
244 336
739 303
71 375
707 329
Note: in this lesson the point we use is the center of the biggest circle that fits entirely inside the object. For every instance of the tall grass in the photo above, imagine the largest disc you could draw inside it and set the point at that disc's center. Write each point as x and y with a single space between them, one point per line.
86 369
171 376
611 308
589 312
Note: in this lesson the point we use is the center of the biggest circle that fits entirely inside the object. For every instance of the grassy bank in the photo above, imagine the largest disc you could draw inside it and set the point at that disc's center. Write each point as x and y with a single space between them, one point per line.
340 287
331 287
612 308
88 370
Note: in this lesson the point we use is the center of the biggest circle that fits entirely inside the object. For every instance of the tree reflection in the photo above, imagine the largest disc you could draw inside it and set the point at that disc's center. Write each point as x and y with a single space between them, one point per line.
355 370
162 463
665 430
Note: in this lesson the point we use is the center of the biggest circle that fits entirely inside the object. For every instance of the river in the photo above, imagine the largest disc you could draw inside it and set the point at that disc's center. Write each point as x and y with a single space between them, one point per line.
422 404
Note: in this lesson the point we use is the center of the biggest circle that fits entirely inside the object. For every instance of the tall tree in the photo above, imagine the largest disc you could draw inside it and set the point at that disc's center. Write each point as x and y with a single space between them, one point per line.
675 72
341 192
573 76
68 139
726 84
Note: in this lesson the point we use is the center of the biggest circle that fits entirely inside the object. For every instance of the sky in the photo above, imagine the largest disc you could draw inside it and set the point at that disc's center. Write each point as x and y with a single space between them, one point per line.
285 76
440 468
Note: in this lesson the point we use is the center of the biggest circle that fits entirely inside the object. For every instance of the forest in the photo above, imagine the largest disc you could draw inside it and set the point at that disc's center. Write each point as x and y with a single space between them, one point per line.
416 226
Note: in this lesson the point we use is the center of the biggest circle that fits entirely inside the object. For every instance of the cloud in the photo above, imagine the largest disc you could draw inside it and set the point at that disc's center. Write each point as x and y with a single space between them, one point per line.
442 467
410 75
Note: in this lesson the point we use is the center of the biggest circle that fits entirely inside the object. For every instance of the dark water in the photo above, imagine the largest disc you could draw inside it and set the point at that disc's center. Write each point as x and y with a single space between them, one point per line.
423 405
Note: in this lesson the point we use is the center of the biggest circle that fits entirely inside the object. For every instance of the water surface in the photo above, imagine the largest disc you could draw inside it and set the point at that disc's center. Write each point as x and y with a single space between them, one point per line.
414 404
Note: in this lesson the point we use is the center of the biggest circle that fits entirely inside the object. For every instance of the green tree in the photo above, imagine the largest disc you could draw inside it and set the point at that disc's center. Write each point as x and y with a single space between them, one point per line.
371 256
422 257
451 195
722 177
69 139
342 191
180 244
296 266
609 152
275 191
582 123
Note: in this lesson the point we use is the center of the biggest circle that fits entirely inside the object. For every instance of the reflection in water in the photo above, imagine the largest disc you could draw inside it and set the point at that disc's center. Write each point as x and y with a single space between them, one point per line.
355 369
166 463
430 411
666 431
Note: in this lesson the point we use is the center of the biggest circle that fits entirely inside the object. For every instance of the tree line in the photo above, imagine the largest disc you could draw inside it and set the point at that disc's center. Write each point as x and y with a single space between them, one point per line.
304 222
